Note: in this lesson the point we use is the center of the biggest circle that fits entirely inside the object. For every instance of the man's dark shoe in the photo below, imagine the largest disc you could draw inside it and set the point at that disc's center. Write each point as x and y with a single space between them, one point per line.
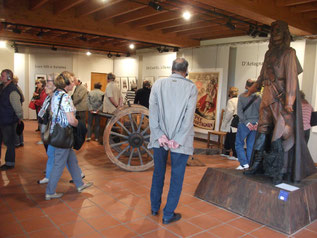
176 217
6 167
154 213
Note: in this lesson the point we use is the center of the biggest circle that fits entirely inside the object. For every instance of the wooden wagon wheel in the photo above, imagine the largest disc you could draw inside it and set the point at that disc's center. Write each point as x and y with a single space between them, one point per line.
126 137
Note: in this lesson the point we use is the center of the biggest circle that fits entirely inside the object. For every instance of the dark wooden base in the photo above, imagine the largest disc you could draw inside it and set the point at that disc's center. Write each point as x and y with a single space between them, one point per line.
256 198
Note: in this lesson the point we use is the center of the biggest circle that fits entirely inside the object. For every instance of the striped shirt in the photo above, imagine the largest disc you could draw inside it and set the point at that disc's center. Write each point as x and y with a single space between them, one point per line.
130 96
306 110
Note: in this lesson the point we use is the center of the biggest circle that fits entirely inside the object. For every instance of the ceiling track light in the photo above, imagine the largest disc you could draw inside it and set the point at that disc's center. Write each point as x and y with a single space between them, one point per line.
230 25
53 48
109 55
83 38
155 5
131 46
176 49
118 55
16 30
128 54
40 33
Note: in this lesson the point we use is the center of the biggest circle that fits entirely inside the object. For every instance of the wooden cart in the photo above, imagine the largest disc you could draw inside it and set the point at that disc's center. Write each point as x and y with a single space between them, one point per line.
126 137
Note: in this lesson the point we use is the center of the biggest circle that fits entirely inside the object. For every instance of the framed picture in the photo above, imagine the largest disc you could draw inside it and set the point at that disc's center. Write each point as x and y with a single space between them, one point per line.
151 79
124 84
40 76
131 80
117 82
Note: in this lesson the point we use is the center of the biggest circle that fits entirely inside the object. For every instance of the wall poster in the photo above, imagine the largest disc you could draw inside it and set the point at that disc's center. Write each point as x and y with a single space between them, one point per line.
124 84
131 80
206 107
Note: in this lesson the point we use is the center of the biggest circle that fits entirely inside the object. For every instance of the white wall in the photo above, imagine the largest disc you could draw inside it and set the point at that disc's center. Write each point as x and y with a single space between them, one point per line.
7 57
84 65
126 66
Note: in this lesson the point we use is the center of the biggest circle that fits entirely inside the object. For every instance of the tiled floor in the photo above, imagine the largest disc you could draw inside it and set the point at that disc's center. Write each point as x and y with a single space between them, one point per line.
116 206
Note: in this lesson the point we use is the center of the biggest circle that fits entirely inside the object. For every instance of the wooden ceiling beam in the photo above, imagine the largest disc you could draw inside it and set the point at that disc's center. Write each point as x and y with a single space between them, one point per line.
35 4
169 24
304 8
288 3
192 26
64 5
117 10
311 15
265 12
217 34
136 15
159 18
91 7
200 30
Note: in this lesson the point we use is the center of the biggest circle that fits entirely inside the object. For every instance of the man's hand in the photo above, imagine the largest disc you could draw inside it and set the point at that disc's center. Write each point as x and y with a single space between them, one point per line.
289 108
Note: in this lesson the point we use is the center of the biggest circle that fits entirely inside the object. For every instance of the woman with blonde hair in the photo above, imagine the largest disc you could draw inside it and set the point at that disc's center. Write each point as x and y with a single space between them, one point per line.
63 114
231 109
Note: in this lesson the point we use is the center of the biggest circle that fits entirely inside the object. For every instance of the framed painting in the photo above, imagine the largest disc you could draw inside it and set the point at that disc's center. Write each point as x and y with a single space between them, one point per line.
124 84
131 81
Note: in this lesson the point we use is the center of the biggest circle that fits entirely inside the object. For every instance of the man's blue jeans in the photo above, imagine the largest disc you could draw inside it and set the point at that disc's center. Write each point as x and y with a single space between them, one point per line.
244 134
178 165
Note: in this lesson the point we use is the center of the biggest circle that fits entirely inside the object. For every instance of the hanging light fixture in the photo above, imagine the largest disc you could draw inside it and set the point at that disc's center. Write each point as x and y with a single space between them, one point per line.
88 53
187 15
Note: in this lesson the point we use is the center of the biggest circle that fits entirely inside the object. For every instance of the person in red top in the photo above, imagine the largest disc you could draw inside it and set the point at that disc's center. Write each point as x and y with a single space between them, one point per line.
306 111
39 96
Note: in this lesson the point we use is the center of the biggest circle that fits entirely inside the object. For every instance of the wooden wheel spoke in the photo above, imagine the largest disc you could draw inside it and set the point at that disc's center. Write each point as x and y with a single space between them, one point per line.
146 137
130 157
147 151
141 121
124 150
140 156
132 123
120 143
118 134
124 128
143 132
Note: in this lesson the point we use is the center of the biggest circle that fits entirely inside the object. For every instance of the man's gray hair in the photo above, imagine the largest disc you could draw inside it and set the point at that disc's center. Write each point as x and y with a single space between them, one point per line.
180 65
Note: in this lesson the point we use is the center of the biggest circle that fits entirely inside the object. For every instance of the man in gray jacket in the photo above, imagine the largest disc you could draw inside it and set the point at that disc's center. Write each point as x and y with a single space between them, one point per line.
94 106
172 107
80 100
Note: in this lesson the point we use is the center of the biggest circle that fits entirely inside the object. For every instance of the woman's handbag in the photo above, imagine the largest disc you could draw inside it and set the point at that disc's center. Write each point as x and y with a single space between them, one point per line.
313 119
235 121
61 137
32 105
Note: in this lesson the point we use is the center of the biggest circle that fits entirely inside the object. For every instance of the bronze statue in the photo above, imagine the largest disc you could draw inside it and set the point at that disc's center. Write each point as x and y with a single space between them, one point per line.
280 119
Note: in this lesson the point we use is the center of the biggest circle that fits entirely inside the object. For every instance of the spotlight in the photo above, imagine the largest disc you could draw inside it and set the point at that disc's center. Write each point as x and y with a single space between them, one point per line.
155 5
131 46
17 30
263 34
176 49
83 38
118 55
230 25
128 54
109 55
54 48
187 15
159 49
16 49
3 44
165 49
253 31
40 33
88 53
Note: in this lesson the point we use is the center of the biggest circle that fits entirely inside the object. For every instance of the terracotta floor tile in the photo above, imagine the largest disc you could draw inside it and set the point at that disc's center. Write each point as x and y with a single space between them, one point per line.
305 234
265 232
102 198
188 199
245 224
56 208
187 211
65 217
7 218
205 221
118 231
92 235
115 207
203 206
126 215
36 223
204 235
132 200
143 225
313 226
225 231
102 222
88 212
161 233
10 229
28 213
47 233
76 229
79 203
223 215
183 228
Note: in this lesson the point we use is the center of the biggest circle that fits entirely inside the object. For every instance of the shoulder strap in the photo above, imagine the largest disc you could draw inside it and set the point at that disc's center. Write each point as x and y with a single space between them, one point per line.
59 106
250 102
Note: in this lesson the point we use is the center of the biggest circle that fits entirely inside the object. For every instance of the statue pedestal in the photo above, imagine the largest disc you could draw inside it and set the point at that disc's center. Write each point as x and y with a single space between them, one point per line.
256 198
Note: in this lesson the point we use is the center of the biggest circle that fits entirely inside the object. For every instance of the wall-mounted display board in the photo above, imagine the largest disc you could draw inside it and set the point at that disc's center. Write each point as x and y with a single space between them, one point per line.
206 109
124 84
131 81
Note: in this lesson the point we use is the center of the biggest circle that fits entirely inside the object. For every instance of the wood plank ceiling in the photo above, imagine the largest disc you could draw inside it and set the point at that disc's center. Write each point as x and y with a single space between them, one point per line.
112 25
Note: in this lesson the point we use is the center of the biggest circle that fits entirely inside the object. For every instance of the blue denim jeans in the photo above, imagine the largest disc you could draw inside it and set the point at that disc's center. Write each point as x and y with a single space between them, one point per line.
50 161
178 164
61 158
244 134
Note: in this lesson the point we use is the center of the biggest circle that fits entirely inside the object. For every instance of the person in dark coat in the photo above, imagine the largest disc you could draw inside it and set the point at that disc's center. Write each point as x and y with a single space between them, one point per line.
143 94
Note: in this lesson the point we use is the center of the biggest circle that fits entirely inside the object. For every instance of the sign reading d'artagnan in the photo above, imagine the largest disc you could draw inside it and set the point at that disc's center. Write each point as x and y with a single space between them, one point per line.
206 107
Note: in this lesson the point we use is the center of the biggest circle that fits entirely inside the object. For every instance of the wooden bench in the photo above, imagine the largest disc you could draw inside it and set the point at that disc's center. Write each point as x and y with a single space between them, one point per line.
220 134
